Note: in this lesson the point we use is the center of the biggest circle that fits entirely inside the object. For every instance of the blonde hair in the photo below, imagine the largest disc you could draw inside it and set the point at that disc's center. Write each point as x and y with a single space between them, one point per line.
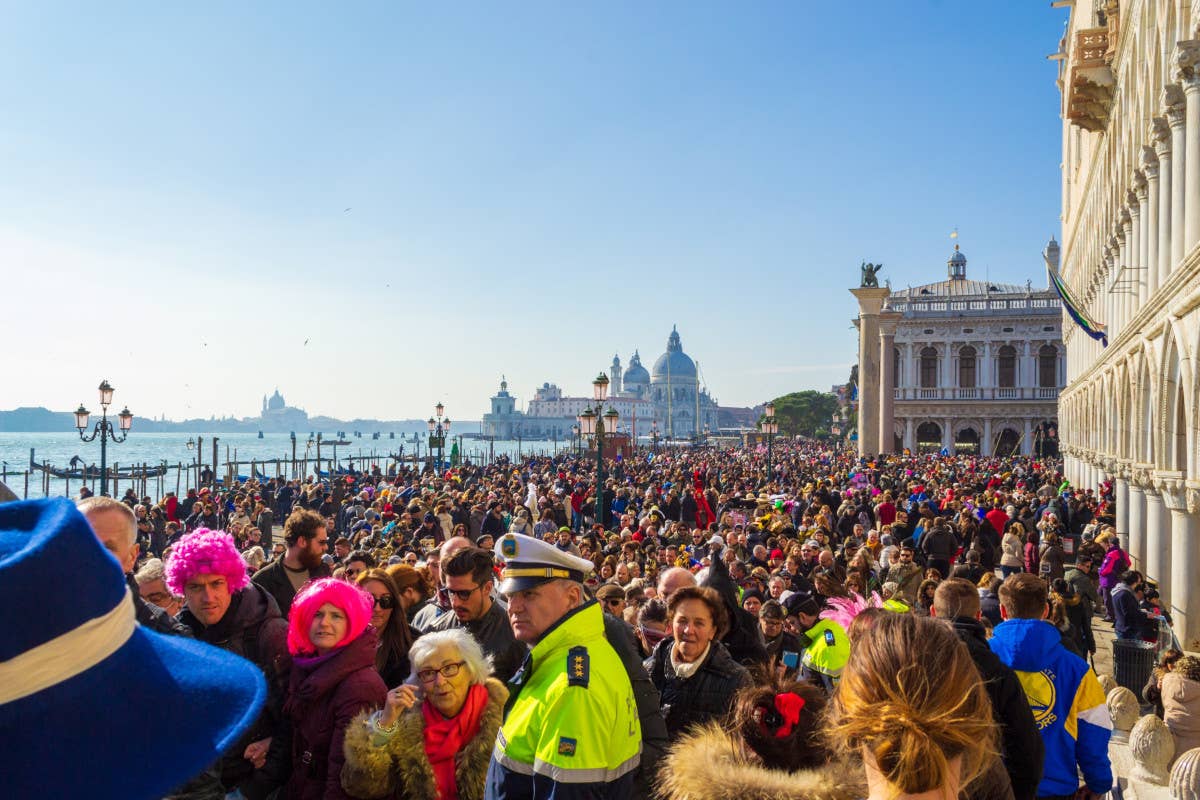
912 700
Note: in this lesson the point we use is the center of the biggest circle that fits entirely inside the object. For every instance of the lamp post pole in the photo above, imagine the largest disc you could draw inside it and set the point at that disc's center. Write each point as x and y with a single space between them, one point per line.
593 424
104 429
215 476
769 427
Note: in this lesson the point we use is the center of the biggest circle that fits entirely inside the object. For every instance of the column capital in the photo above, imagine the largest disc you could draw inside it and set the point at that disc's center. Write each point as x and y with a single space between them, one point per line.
1173 103
870 299
1184 63
1149 163
1172 488
888 320
1140 189
1159 132
1192 494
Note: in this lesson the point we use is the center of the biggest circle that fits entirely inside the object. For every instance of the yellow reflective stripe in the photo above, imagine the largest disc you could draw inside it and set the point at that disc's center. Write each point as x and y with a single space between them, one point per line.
534 572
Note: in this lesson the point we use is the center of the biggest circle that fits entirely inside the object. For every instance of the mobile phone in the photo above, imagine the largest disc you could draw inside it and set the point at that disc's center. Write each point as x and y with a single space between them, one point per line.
791 660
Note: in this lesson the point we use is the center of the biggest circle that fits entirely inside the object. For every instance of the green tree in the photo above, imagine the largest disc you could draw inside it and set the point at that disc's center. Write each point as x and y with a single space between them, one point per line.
804 413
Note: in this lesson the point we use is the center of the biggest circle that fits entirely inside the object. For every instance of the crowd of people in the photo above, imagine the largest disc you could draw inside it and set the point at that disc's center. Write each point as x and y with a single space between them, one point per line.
828 626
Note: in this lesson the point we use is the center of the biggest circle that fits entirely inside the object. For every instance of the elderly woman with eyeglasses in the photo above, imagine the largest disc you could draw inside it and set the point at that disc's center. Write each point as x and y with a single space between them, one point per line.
433 738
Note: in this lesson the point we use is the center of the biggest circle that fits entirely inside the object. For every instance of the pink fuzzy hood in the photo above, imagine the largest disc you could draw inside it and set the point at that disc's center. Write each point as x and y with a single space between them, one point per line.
357 604
205 552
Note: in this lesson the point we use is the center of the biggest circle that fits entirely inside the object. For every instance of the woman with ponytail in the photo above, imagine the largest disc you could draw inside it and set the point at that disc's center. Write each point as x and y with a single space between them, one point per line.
911 704
772 746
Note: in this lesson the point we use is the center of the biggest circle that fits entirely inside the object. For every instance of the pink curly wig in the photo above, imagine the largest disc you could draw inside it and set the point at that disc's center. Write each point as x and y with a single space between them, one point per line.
205 552
357 604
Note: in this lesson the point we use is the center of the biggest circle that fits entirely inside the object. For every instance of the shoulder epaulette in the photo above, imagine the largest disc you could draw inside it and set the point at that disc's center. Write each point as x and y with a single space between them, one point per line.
578 667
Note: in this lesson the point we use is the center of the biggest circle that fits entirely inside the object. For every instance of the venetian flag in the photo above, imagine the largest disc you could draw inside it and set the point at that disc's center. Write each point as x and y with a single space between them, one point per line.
1096 330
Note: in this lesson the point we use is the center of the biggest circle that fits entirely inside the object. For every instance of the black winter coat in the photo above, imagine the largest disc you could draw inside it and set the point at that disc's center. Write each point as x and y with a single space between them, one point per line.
1021 744
706 695
654 728
254 629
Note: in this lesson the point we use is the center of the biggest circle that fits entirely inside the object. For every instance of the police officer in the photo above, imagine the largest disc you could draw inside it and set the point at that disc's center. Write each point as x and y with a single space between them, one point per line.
826 645
571 727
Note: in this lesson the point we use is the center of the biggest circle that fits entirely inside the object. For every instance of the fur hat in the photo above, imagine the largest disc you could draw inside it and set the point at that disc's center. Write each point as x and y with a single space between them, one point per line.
206 552
85 676
356 603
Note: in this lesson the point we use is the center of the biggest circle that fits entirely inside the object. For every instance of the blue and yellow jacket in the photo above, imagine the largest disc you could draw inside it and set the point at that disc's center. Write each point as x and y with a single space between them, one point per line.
572 728
1067 703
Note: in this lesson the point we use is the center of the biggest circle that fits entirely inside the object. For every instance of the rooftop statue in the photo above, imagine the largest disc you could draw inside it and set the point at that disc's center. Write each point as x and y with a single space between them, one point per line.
869 271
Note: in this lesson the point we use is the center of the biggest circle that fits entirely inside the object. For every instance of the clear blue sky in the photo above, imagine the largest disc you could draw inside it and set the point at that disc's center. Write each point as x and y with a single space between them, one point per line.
532 186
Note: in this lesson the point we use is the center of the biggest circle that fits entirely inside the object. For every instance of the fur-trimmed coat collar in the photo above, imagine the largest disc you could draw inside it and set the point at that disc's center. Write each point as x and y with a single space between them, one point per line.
707 764
399 768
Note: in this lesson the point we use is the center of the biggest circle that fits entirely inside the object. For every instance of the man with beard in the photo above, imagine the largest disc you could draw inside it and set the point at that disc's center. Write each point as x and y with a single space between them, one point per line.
469 582
307 539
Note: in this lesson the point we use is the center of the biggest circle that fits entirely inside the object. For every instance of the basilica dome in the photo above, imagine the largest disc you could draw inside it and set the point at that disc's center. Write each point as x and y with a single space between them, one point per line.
636 373
674 364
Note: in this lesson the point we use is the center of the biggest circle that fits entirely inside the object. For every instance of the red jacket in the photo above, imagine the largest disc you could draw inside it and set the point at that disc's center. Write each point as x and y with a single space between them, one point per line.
325 693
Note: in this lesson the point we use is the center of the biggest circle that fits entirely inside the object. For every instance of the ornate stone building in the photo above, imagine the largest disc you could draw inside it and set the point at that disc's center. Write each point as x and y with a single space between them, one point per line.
961 365
670 395
1130 83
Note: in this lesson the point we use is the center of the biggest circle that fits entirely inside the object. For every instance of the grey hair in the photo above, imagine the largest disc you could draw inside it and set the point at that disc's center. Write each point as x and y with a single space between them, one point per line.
151 571
98 503
478 665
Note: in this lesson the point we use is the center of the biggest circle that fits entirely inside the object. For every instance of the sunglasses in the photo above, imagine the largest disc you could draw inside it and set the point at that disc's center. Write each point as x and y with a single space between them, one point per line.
463 594
385 601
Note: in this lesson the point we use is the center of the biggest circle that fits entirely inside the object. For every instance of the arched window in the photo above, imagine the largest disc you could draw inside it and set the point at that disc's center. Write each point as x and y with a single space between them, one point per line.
966 367
1006 361
929 368
1047 366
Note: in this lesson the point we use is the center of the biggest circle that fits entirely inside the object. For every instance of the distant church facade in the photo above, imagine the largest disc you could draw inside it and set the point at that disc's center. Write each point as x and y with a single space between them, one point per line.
670 394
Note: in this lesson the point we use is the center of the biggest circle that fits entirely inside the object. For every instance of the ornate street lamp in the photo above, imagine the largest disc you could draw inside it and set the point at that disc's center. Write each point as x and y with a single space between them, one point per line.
104 429
438 428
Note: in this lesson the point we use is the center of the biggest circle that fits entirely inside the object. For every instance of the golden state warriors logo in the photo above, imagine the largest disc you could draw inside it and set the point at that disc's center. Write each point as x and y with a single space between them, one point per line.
1040 693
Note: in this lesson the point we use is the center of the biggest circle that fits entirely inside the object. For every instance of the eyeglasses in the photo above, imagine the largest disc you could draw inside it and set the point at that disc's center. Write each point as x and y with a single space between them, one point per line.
160 598
614 601
385 601
448 671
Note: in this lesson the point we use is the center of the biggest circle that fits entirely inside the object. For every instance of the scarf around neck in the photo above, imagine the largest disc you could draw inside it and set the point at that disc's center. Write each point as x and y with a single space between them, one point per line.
446 737
686 671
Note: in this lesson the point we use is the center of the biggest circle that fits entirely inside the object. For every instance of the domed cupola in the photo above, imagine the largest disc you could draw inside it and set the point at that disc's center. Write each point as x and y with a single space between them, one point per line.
956 267
673 365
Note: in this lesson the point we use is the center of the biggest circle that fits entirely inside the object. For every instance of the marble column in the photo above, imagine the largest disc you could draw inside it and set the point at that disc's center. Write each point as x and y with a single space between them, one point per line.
1173 100
909 435
1121 489
1161 136
1109 299
1141 269
1185 562
870 302
1134 259
1027 439
948 434
1137 525
1158 537
1187 55
1148 201
1126 259
985 445
887 385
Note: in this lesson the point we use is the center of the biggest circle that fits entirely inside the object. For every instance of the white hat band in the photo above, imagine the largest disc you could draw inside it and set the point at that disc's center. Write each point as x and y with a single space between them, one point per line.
68 655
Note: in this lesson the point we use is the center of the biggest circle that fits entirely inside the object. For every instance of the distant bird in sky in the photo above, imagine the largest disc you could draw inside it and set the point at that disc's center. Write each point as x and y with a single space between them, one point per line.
306 342
347 211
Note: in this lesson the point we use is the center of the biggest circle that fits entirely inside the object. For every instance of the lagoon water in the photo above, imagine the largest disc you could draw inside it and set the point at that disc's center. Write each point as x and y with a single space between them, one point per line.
57 449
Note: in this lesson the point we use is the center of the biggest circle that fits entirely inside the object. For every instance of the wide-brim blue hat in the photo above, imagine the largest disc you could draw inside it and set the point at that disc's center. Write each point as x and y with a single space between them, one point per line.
91 703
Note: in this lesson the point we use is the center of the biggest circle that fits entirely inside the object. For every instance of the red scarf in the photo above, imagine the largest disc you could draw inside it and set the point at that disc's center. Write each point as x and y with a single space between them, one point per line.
445 738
